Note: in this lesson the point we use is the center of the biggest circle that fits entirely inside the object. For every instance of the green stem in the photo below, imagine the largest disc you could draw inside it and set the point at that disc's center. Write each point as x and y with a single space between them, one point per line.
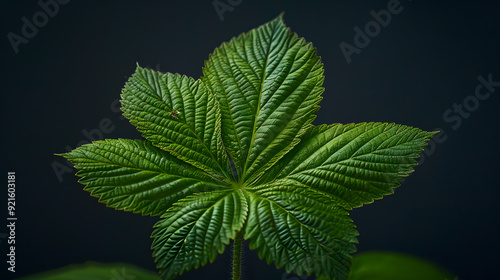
238 240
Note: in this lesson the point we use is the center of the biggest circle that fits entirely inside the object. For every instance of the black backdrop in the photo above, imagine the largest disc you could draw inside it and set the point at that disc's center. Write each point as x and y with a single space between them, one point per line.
63 83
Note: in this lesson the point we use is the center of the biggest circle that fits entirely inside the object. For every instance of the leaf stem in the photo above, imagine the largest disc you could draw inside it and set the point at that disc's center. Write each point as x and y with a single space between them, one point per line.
238 240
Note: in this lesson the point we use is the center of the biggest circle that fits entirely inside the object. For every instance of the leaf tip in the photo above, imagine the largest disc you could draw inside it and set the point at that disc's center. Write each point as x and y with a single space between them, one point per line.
67 155
281 15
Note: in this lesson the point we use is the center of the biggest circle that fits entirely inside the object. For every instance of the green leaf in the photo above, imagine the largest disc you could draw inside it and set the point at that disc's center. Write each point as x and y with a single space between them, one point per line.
235 153
300 229
134 175
394 266
177 114
196 229
353 164
268 83
96 271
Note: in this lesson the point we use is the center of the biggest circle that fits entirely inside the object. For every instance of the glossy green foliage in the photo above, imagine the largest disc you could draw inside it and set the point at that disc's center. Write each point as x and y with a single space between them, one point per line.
235 151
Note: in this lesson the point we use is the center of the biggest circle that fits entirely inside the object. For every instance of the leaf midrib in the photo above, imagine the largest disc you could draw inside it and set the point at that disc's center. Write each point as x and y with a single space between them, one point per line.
254 126
353 156
108 162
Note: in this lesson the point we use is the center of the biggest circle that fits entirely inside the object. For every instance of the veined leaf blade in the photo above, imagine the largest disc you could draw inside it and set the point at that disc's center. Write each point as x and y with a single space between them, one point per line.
354 163
196 229
269 83
177 114
300 229
134 175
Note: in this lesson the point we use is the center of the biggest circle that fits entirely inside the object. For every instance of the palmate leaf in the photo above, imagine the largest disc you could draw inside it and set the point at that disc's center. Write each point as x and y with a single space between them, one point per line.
235 154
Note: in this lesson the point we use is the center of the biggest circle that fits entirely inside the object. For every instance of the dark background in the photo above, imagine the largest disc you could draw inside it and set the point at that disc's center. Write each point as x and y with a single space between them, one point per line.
65 79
